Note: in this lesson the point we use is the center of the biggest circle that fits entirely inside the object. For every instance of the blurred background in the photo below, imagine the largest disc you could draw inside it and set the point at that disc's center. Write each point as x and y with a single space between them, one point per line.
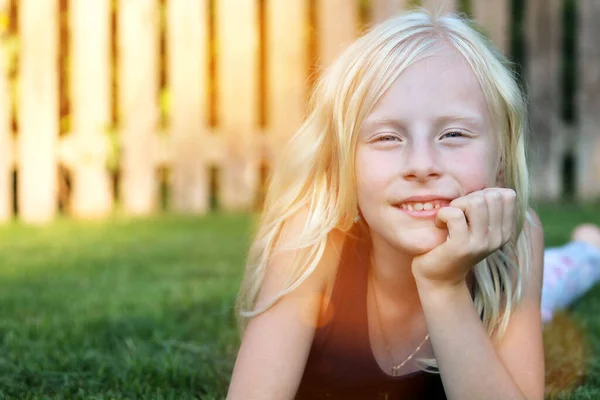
135 141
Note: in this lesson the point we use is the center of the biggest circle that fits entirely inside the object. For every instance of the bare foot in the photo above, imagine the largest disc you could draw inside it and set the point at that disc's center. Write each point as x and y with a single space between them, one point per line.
589 233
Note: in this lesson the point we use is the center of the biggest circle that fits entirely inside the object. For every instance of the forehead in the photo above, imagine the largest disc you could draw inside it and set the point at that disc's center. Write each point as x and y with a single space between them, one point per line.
439 86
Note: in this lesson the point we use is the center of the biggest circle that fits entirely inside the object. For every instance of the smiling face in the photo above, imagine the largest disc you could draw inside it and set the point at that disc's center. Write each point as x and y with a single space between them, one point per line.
427 141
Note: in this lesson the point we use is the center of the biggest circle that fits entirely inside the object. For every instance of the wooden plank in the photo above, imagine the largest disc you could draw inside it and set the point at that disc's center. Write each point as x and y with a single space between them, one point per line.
237 32
90 106
212 141
441 6
6 148
38 110
337 27
187 41
588 98
548 144
384 9
287 66
494 17
138 46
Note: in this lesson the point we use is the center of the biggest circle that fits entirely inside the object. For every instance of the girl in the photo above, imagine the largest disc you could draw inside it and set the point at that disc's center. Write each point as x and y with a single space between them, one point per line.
396 256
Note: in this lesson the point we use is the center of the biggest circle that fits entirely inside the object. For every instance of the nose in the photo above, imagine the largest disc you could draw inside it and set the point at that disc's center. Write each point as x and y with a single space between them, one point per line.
421 162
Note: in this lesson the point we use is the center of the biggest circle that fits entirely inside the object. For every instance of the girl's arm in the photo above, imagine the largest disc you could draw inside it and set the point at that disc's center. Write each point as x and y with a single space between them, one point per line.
276 344
471 367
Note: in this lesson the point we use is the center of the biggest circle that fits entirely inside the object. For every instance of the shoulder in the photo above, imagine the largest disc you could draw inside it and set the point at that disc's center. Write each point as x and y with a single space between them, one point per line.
279 339
287 260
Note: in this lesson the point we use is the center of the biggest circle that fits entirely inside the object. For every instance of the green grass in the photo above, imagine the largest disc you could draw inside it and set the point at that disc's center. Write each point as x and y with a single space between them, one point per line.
121 309
129 309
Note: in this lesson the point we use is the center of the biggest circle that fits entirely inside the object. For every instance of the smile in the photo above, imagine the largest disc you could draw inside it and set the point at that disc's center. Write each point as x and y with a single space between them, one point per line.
423 206
422 209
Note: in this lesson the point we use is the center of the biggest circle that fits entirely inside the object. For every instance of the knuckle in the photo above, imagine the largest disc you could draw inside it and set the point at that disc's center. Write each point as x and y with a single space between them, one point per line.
494 196
478 202
444 213
457 202
509 194
455 213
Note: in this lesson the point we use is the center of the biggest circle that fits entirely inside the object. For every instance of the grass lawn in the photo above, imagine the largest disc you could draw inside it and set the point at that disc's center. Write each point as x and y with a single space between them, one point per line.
128 309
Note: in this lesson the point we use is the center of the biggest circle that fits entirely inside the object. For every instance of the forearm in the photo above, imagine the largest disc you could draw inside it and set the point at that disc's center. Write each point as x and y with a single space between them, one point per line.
469 365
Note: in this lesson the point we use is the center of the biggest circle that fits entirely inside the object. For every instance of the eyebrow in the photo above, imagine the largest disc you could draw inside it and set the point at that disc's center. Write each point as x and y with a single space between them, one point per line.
376 123
472 120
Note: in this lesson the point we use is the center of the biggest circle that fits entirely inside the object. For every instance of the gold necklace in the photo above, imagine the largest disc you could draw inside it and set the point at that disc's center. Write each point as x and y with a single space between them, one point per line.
396 368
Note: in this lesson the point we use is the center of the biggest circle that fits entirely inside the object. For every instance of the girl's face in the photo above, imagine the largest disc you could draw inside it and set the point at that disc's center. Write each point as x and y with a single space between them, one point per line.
427 141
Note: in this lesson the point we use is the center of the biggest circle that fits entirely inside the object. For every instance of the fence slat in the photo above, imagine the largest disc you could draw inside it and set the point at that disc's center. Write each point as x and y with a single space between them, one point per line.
543 39
90 106
187 38
588 148
138 33
384 9
6 147
337 27
237 26
236 145
38 110
444 6
288 68
494 17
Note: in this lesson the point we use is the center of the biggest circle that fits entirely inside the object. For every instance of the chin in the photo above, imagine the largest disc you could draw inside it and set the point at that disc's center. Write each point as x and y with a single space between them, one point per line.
420 241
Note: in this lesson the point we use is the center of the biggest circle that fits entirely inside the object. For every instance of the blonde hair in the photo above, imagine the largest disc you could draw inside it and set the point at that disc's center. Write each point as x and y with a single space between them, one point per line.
316 169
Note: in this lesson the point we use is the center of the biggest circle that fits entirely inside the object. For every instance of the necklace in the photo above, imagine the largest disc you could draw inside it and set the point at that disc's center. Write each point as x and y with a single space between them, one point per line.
396 368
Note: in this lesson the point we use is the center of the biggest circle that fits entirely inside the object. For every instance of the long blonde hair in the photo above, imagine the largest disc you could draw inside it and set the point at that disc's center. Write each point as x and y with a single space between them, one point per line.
315 171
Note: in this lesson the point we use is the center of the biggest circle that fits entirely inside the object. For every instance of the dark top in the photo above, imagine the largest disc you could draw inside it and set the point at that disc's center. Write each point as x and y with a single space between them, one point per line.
341 364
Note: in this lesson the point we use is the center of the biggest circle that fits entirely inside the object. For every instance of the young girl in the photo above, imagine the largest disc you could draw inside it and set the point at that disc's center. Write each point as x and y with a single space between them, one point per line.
397 256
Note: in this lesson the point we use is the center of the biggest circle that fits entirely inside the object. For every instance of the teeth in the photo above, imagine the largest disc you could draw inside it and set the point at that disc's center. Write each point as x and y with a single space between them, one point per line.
420 206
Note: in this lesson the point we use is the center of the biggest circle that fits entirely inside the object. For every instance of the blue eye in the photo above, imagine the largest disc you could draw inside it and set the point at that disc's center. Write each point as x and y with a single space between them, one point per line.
453 134
386 138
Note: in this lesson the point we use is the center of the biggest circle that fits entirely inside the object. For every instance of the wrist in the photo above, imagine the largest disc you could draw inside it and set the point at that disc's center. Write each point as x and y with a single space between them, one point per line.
429 288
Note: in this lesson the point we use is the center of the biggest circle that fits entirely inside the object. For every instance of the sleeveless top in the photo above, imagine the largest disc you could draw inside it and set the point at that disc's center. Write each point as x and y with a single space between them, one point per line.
341 364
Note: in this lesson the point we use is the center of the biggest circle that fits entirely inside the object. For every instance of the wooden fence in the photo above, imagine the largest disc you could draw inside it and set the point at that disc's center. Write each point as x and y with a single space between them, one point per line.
234 76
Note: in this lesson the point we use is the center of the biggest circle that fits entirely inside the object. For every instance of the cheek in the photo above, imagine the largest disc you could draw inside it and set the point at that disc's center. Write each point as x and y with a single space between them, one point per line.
372 175
474 172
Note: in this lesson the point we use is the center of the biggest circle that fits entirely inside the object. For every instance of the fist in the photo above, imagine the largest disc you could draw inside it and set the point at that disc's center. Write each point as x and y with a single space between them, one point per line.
478 224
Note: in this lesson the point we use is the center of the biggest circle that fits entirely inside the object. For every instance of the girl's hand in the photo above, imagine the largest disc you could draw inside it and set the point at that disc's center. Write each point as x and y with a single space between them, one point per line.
478 224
